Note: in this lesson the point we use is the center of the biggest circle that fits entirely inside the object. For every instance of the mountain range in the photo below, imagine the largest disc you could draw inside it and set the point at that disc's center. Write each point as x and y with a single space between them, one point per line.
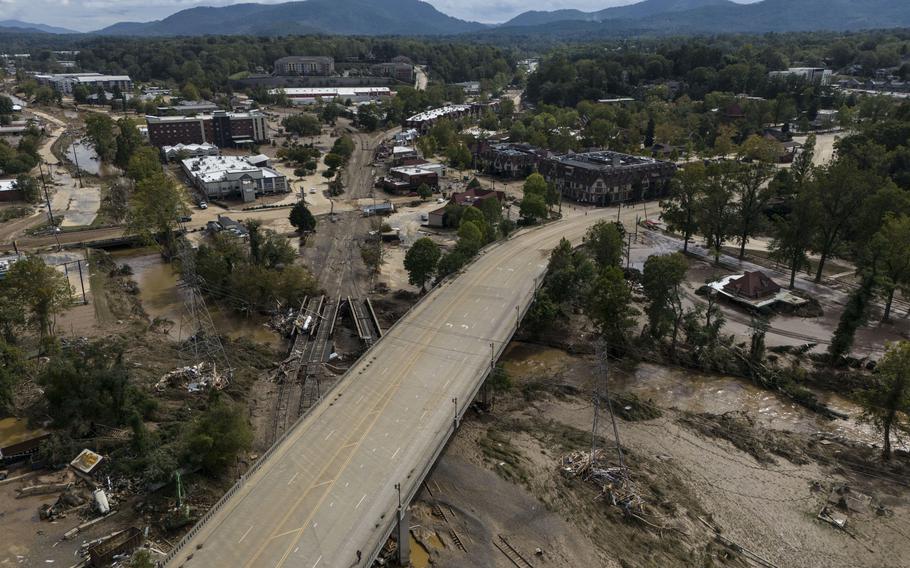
19 25
415 17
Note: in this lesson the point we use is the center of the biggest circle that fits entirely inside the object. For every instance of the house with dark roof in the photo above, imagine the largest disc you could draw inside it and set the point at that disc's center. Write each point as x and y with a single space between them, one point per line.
753 285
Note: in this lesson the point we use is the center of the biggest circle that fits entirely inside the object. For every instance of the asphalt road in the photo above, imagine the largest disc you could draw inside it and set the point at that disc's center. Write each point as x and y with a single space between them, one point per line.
328 489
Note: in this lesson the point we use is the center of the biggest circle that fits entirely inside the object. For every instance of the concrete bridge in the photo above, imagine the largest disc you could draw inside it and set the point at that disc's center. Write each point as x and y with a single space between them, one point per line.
331 487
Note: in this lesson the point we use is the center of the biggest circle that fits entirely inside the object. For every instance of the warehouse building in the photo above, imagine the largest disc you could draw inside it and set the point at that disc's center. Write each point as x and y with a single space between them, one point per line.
604 177
225 176
314 95
221 128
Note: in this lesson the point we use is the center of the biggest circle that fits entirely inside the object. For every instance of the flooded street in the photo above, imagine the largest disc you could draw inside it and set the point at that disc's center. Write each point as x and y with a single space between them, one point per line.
162 297
690 391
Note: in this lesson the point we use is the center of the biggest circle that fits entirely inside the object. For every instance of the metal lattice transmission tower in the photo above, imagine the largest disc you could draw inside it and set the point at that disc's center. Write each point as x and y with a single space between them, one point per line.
203 343
602 393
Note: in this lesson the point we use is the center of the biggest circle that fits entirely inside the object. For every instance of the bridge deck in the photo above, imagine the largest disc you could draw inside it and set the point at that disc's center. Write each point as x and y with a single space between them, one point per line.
327 489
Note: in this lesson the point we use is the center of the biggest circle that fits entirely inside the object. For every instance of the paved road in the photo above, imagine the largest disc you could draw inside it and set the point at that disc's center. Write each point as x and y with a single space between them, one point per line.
328 489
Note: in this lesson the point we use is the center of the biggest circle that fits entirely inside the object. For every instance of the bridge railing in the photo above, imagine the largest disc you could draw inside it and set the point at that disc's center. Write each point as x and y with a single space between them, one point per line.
242 481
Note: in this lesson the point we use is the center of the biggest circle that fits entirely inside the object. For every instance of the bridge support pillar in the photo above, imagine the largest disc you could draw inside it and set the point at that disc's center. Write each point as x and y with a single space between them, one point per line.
404 536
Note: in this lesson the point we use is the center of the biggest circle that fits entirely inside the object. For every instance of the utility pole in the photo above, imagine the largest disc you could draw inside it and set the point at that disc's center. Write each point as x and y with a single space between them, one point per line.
50 211
76 161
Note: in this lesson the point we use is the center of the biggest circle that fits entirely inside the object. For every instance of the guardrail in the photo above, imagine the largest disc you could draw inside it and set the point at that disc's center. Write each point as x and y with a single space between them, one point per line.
200 524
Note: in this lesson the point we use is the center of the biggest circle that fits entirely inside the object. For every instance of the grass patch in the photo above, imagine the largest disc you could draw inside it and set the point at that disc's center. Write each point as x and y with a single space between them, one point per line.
11 213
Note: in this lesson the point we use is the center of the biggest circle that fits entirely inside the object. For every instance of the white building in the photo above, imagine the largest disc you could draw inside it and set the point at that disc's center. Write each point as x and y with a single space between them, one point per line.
189 150
818 75
222 176
313 95
66 82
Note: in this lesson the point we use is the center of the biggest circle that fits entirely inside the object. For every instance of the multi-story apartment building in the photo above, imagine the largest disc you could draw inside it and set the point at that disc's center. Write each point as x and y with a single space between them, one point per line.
65 82
224 176
305 65
221 128
605 177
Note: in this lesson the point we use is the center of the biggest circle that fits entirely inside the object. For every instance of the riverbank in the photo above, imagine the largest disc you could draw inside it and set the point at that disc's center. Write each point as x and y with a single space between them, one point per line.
762 478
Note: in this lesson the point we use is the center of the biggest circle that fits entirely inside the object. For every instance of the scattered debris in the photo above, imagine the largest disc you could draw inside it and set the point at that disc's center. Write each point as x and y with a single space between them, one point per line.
841 501
195 378
86 461
103 551
43 489
614 482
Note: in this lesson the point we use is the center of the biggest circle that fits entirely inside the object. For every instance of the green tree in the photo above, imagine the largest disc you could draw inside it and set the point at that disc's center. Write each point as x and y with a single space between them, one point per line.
662 280
29 188
12 367
155 208
99 128
424 192
333 161
604 240
681 206
143 163
853 317
535 184
750 186
89 387
886 402
128 141
218 436
542 313
302 125
470 238
533 208
714 213
301 218
610 308
40 289
841 188
892 246
421 261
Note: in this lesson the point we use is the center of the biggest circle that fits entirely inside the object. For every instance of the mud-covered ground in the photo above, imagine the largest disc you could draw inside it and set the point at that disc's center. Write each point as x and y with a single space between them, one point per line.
760 475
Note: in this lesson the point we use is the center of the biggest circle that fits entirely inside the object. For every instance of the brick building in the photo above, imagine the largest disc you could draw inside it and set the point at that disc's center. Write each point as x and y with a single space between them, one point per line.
605 177
223 129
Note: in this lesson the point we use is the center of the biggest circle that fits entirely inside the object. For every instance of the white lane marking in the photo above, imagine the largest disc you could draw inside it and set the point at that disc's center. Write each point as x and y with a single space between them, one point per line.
296 549
396 452
318 560
293 478
383 371
330 435
359 502
447 383
332 504
244 534
422 416
359 399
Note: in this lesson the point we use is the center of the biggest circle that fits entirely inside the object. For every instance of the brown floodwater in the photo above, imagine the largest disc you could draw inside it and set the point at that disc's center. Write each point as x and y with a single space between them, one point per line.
162 297
691 391
81 151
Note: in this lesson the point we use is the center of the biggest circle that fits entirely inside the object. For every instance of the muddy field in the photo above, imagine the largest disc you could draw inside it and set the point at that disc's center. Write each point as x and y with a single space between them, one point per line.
712 453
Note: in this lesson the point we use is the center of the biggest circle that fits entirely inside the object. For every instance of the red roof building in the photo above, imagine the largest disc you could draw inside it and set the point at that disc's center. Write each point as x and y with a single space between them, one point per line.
752 285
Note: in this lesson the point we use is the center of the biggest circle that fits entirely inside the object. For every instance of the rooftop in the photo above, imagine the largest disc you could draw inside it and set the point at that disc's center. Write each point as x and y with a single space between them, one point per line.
210 169
332 91
204 116
605 160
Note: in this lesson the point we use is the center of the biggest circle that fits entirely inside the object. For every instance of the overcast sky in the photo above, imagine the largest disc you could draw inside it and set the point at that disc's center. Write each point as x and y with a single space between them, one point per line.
88 15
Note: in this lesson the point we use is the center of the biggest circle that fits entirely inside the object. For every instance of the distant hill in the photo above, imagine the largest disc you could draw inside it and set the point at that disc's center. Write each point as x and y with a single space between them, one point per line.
715 16
343 17
27 26
631 11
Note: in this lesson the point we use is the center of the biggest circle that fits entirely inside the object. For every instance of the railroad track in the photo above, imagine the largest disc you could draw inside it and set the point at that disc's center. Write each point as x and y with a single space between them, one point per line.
513 555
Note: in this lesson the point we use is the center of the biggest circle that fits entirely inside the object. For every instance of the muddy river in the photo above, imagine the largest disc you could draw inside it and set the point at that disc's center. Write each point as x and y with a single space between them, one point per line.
691 391
82 153
162 298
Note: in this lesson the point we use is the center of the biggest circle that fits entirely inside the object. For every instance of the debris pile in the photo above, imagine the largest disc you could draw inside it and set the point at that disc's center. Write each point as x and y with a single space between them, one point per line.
614 482
284 322
841 501
194 378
